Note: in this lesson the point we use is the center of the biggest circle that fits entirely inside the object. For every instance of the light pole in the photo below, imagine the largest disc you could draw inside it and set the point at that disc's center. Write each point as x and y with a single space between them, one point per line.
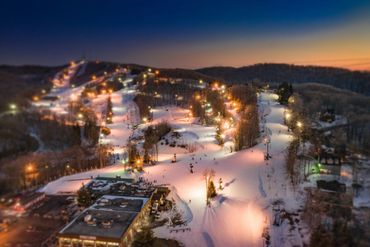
299 125
267 142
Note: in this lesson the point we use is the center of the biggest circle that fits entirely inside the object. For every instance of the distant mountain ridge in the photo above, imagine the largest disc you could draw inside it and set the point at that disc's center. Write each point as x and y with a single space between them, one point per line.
21 78
356 81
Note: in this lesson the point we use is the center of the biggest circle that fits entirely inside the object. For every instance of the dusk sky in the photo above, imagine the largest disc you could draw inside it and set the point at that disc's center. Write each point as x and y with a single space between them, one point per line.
188 34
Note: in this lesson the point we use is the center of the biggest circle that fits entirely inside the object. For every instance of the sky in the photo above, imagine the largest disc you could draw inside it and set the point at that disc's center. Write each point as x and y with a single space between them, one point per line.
187 33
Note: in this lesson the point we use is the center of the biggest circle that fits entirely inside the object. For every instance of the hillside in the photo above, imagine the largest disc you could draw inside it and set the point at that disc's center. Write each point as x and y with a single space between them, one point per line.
355 81
17 83
186 74
354 106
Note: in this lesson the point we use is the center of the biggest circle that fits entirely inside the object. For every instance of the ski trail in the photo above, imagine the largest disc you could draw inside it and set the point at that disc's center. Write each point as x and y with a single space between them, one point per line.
260 186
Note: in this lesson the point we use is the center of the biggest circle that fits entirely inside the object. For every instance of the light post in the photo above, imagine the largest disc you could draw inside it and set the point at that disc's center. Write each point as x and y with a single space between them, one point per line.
68 169
267 142
30 173
299 126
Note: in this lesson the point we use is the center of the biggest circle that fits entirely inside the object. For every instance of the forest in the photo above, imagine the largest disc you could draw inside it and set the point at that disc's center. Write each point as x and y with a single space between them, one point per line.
356 81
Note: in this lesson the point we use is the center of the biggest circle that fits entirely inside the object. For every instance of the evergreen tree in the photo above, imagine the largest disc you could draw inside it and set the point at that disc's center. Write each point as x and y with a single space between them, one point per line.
211 189
218 136
285 90
84 197
133 153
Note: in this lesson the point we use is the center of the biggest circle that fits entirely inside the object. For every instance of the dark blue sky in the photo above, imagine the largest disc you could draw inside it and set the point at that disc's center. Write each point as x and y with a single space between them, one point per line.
179 33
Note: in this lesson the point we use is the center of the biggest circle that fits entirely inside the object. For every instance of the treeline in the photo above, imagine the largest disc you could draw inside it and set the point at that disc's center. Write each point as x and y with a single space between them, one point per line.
152 135
14 136
108 86
77 113
91 68
19 83
55 133
355 81
208 105
247 130
186 74
355 107
153 94
17 134
29 131
284 91
296 117
34 169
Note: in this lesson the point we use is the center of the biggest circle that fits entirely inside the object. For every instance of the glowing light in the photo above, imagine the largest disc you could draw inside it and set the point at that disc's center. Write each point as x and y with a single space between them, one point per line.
73 97
35 98
226 125
30 168
299 124
138 161
13 106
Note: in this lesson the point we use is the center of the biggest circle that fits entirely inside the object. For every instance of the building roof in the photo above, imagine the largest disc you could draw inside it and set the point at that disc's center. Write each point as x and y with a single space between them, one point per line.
108 218
99 224
120 187
120 203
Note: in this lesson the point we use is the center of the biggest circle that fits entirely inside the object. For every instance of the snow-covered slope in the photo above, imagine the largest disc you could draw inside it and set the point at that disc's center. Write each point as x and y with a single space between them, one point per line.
243 209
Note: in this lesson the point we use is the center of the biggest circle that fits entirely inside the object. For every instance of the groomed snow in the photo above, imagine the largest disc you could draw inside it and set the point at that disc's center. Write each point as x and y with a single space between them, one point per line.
242 209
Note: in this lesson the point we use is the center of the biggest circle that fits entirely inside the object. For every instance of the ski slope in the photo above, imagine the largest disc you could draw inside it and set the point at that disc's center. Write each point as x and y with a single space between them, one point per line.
241 211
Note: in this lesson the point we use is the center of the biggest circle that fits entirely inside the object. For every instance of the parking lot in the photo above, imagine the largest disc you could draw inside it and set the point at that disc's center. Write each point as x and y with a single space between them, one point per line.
38 227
